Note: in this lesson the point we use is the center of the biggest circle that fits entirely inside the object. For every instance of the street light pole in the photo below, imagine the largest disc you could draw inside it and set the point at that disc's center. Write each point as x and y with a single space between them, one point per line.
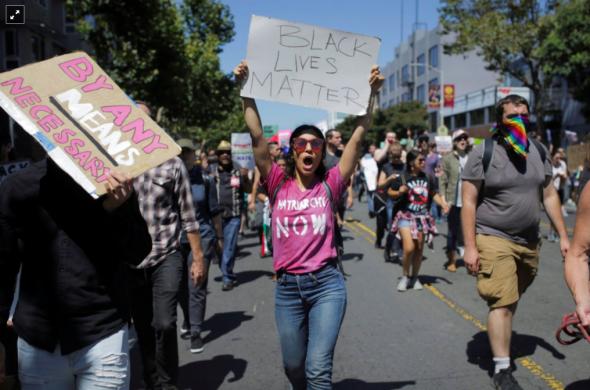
440 90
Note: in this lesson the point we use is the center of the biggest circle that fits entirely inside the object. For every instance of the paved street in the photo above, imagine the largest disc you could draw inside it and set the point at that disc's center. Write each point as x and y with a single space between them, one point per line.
414 340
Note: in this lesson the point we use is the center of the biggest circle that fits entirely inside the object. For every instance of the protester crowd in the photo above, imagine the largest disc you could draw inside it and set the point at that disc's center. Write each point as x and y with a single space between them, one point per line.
166 228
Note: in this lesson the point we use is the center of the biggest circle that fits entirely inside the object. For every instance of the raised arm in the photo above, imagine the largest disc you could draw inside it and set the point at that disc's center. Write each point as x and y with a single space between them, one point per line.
252 118
576 261
352 150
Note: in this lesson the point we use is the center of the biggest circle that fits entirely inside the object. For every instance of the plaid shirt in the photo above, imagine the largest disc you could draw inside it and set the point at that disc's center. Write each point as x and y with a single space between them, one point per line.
166 203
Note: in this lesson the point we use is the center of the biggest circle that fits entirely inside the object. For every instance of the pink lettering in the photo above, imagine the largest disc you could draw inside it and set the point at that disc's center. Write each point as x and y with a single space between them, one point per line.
35 110
82 157
50 122
119 112
139 134
100 83
16 86
77 69
94 165
28 99
64 136
73 148
155 144
105 176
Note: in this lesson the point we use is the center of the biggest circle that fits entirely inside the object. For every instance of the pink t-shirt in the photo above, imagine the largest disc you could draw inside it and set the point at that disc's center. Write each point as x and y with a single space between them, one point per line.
303 222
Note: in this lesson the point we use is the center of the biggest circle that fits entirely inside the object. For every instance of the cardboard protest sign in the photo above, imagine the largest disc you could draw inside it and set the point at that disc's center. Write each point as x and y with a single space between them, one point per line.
241 150
444 143
309 65
85 122
12 167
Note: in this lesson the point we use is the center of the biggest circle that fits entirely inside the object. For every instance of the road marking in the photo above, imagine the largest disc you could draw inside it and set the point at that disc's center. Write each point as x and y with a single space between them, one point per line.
526 362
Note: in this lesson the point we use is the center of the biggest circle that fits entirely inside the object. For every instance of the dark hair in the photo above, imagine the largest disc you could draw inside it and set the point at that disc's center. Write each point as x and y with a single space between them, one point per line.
411 157
290 157
514 99
329 133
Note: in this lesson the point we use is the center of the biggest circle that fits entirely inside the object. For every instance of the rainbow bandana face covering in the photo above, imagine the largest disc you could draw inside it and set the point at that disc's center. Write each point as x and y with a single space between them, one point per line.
513 131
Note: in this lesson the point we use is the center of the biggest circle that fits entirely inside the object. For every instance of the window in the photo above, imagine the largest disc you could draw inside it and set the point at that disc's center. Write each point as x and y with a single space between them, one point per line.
477 117
460 120
405 74
433 56
433 82
399 79
392 82
38 47
420 68
69 25
406 97
10 43
421 93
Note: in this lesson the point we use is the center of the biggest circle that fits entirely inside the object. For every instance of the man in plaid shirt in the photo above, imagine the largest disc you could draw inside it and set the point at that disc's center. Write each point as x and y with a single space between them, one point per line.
166 204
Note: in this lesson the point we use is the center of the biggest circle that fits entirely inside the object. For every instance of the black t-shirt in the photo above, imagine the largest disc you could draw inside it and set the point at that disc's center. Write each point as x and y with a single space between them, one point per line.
421 189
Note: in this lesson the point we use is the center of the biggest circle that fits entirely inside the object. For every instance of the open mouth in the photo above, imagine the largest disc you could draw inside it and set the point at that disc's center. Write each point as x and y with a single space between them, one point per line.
308 162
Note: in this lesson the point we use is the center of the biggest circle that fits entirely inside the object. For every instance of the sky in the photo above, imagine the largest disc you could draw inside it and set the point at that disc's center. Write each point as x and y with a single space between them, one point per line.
378 18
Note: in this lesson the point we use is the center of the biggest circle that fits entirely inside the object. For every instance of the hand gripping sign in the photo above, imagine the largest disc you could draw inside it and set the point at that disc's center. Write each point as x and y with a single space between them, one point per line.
309 66
85 122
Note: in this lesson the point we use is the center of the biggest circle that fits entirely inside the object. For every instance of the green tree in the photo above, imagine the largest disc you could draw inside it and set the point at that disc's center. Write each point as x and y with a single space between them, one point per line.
165 52
566 50
508 35
396 118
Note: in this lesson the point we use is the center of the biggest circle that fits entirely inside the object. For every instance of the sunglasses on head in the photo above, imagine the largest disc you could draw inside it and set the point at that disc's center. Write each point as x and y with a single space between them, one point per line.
300 144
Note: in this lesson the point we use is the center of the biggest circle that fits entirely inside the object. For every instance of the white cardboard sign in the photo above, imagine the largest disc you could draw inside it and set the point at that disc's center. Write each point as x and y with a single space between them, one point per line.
309 66
241 150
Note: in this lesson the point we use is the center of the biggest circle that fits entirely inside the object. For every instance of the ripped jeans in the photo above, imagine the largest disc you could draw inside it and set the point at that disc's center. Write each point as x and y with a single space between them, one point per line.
103 365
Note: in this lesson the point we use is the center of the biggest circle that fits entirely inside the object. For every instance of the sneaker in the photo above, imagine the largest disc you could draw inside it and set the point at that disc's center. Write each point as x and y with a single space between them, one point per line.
229 285
184 331
403 283
452 267
504 380
415 283
197 345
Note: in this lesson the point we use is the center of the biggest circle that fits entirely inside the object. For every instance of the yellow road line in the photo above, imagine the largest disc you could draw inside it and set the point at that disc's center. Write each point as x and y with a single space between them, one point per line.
526 362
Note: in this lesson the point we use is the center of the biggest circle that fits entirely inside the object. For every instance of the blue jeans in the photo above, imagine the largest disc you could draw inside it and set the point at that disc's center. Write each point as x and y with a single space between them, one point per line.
309 310
231 227
102 365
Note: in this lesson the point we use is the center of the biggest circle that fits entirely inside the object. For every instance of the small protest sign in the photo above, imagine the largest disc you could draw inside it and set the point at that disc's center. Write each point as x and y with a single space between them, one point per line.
84 121
309 66
269 130
12 167
284 136
444 144
241 150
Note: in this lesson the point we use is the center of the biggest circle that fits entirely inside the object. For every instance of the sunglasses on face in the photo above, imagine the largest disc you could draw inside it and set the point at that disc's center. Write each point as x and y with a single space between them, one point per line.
300 144
222 152
461 139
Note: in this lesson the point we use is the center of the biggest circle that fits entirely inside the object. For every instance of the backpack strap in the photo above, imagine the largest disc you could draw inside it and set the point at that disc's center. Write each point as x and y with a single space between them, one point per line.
273 196
337 233
488 153
540 149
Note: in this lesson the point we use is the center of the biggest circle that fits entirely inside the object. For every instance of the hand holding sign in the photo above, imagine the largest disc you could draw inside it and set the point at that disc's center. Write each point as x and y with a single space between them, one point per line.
119 189
376 79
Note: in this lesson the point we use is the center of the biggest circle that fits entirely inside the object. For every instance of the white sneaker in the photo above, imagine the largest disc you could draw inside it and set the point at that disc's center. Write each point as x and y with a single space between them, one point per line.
416 285
403 283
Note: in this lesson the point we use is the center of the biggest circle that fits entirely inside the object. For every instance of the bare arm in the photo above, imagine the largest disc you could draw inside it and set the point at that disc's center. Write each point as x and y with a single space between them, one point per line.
553 210
470 192
576 261
198 265
352 150
381 154
254 123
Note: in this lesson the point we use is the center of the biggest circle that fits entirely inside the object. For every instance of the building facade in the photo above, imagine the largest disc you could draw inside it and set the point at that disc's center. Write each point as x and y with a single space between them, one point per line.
47 32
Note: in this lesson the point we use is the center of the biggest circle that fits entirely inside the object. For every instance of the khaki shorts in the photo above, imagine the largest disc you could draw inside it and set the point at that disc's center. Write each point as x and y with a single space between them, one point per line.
506 269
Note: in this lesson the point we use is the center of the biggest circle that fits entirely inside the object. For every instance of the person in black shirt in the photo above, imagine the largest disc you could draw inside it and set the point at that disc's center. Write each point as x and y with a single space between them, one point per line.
73 311
414 191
